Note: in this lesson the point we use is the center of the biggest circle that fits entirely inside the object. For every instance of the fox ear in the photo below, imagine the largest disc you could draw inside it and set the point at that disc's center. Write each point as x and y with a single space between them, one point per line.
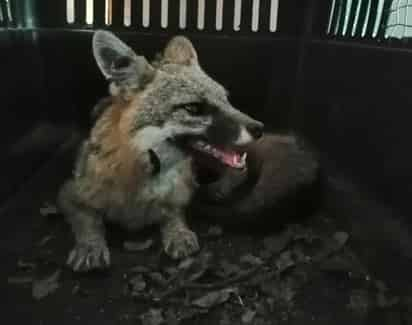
119 63
180 50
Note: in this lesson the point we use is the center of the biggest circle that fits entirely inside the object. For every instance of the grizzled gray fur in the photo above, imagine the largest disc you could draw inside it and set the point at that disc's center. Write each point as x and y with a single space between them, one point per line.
136 167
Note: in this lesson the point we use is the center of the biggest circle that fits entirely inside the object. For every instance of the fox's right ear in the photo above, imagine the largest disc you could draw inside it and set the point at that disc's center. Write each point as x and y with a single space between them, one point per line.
119 63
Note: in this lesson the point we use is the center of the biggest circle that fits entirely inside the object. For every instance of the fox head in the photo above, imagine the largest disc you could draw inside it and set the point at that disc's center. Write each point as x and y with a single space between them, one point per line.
174 100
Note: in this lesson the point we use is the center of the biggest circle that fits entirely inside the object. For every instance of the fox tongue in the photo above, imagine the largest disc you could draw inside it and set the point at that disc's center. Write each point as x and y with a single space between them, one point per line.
232 159
228 157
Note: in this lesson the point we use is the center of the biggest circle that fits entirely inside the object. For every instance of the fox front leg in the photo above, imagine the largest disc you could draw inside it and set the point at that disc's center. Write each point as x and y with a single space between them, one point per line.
178 240
90 251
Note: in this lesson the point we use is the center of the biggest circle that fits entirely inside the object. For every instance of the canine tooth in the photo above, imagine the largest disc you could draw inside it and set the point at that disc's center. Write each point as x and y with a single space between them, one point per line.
244 156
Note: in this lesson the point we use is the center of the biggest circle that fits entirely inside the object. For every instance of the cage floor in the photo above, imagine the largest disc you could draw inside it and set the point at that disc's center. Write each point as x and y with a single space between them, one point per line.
34 242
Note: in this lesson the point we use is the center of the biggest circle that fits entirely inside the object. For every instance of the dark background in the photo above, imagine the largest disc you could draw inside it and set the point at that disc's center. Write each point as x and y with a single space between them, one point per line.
350 97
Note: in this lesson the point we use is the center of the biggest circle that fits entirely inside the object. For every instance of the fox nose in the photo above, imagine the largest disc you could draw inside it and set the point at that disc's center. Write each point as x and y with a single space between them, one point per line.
256 130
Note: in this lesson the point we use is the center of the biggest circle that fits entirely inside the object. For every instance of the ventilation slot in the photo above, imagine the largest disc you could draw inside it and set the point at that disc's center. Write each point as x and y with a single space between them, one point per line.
9 15
367 17
346 19
237 15
70 11
164 18
108 12
400 20
255 15
248 15
182 14
256 12
89 11
146 13
127 13
219 15
201 14
86 12
378 20
358 18
274 8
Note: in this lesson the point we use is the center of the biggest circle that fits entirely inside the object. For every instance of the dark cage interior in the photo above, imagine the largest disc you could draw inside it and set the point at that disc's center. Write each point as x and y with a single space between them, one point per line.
337 72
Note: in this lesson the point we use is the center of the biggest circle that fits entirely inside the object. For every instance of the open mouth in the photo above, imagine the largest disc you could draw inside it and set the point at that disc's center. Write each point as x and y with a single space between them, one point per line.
228 157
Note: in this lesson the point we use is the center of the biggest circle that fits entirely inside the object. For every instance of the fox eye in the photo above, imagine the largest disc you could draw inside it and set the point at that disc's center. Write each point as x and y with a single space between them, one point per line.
195 109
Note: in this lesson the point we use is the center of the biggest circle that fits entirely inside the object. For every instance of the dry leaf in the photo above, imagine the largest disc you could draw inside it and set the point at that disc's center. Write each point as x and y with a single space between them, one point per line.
158 278
215 231
45 240
213 298
25 265
359 300
285 261
227 269
137 283
44 287
48 209
171 271
280 291
251 259
265 254
248 316
171 317
140 269
152 317
186 263
341 238
384 302
276 244
381 286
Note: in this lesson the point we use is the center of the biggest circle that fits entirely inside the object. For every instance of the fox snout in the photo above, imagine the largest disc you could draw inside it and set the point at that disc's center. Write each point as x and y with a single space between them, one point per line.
231 127
229 131
256 129
249 132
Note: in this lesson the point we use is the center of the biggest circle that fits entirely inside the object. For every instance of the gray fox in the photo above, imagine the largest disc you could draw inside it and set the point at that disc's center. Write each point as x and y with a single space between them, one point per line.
136 166
279 169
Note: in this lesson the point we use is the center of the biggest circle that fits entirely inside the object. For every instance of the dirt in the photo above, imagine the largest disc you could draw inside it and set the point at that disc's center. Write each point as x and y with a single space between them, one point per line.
303 273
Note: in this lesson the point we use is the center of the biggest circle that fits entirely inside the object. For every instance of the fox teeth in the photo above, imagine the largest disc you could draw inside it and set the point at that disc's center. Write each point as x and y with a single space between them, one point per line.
200 144
243 158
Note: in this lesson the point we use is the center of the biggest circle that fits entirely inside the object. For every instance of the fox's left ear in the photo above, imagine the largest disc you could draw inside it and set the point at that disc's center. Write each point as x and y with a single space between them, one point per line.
180 50
119 63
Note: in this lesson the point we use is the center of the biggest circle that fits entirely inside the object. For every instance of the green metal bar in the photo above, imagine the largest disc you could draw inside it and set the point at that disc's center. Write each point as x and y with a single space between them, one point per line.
357 13
365 23
332 12
347 15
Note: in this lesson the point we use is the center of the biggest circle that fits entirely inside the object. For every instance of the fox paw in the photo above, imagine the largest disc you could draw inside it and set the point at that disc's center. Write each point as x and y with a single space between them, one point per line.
86 257
181 243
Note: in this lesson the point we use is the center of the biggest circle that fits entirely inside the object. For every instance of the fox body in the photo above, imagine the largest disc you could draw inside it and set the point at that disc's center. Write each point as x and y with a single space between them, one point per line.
136 166
281 175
